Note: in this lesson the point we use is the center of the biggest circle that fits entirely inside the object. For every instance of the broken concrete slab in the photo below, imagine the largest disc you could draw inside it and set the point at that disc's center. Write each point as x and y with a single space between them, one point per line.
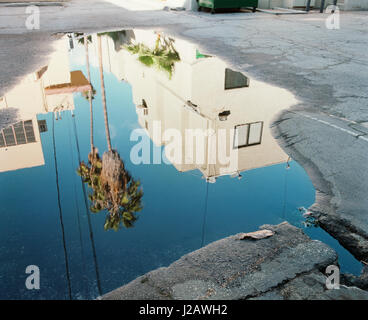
312 286
360 282
243 269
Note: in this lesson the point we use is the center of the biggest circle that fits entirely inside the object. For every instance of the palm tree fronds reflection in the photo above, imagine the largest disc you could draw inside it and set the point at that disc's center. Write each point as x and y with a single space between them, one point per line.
163 56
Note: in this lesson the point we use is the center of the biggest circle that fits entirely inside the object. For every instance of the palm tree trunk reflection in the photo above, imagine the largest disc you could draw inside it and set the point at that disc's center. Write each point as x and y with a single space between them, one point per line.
113 188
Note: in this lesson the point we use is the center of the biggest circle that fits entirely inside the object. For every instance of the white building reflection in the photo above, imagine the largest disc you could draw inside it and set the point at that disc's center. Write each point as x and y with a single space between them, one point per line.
202 93
50 89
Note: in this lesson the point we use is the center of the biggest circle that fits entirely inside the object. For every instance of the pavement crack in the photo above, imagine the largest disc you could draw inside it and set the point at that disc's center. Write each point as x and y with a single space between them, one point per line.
279 286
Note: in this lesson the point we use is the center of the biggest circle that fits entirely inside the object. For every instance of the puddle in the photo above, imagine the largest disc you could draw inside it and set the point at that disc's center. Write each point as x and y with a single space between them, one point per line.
162 193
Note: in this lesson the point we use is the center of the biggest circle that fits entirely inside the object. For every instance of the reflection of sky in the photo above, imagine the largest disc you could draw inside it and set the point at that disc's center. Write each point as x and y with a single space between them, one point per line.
169 226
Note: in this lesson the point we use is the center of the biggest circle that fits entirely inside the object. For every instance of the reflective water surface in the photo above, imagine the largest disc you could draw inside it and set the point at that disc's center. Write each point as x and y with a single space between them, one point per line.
103 179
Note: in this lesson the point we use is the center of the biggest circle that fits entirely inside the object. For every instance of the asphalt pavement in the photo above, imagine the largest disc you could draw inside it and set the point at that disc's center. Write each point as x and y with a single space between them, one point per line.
326 69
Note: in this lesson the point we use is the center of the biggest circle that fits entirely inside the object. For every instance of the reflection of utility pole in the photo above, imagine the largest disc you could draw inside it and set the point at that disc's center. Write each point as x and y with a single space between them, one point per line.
204 215
88 214
78 211
285 188
61 213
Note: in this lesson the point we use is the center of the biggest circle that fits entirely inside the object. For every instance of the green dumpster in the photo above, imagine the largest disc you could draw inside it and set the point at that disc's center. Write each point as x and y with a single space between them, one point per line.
227 4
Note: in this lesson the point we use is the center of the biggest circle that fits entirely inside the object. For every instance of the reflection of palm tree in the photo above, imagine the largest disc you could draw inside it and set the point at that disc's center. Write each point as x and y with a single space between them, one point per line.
163 56
90 93
116 36
120 38
103 93
87 94
113 189
84 39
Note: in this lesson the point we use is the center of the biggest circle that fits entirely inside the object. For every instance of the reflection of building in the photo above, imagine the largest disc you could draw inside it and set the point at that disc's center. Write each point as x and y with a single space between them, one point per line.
50 89
204 94
20 146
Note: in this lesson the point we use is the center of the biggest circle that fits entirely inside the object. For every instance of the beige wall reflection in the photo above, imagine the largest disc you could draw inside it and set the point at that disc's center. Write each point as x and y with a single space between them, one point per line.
203 93
50 89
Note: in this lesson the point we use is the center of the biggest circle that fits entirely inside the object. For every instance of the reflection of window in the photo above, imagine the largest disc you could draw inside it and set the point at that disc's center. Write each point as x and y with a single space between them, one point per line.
19 133
42 125
248 134
234 79
143 108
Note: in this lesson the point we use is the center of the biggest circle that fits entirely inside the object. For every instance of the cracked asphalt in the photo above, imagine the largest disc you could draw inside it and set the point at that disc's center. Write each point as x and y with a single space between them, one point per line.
327 70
